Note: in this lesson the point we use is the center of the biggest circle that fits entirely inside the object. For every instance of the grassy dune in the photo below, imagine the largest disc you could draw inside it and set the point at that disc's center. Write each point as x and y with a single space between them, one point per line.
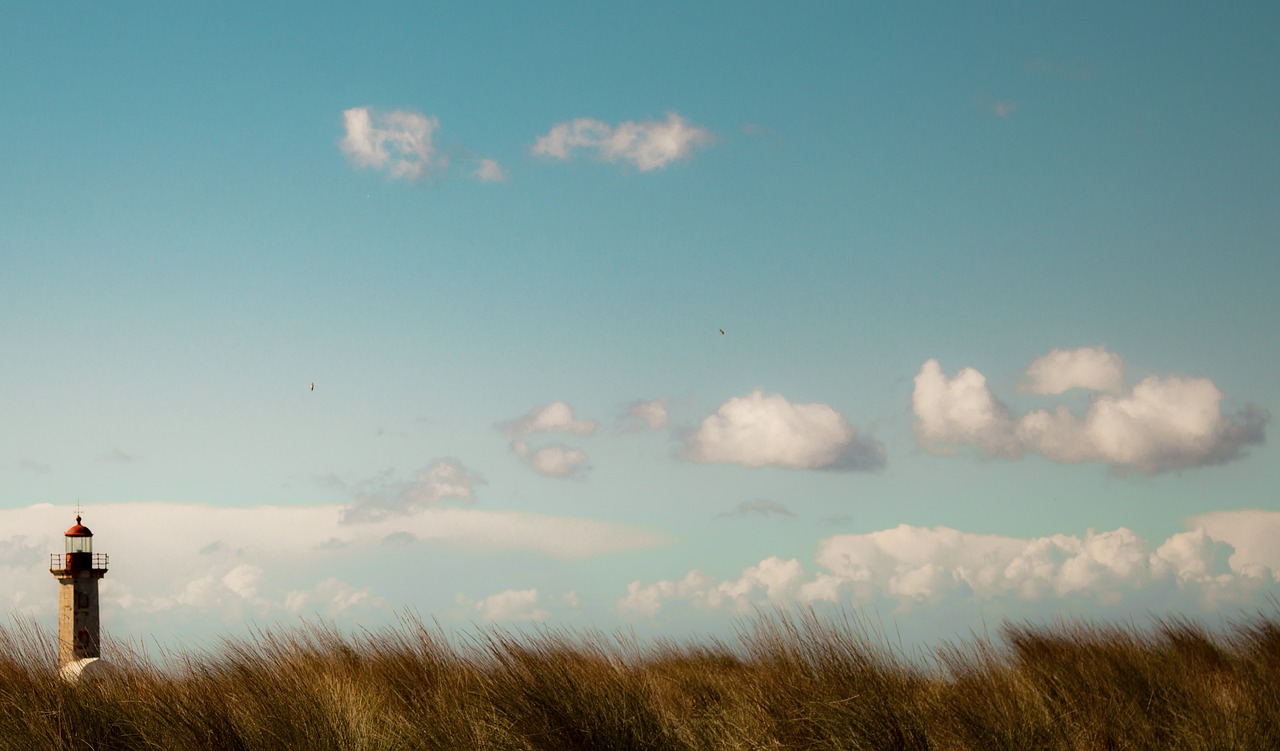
787 681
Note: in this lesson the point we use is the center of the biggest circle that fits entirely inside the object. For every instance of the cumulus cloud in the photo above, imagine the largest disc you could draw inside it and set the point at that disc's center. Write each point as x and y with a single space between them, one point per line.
512 605
332 598
652 414
960 410
773 581
398 142
911 565
1251 532
554 417
1091 368
243 580
758 507
555 460
1160 424
489 171
761 429
1196 556
648 145
382 497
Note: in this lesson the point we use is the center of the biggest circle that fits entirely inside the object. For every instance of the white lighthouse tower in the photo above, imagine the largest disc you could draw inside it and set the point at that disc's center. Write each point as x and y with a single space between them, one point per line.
78 571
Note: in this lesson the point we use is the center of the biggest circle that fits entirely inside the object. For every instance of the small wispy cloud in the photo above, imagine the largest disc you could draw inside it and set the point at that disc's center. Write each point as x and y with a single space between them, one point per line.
1001 108
398 142
758 507
648 145
31 465
116 455
489 171
555 460
651 415
384 497
553 417
399 539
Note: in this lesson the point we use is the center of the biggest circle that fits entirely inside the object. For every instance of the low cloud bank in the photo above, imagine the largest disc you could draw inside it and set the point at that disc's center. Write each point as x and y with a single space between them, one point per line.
180 562
916 565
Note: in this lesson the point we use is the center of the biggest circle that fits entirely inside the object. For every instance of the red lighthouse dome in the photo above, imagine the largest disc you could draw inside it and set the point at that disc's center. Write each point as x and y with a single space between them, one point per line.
79 530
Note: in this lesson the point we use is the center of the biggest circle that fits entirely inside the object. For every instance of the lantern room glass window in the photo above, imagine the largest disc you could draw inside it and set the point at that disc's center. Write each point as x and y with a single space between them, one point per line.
79 544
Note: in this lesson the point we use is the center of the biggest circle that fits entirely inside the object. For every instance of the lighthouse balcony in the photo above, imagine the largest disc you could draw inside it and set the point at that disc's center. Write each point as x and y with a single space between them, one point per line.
63 562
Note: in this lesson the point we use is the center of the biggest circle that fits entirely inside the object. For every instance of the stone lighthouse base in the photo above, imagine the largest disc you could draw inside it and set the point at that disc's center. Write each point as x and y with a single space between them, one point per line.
88 669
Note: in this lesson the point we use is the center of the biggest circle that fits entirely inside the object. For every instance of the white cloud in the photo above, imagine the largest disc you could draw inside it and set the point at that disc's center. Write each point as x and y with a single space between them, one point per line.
1252 534
960 410
648 145
653 414
917 564
773 581
243 580
331 598
1196 556
1161 424
555 460
1061 370
647 600
382 497
489 171
761 429
554 417
398 142
513 605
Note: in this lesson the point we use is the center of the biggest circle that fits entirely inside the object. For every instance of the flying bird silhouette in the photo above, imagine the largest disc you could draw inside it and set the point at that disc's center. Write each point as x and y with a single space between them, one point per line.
313 387
721 332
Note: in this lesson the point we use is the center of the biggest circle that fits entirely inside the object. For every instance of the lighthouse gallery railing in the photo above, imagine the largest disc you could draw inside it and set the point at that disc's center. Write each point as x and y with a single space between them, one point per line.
58 561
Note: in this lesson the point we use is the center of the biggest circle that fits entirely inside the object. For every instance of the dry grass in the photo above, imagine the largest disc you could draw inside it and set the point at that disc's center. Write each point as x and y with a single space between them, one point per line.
786 682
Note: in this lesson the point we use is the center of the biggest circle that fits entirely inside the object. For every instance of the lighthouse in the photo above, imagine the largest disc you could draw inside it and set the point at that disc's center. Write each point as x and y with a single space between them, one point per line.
78 571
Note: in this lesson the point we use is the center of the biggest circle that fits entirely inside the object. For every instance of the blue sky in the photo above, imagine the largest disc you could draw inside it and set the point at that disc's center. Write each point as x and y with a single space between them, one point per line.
502 242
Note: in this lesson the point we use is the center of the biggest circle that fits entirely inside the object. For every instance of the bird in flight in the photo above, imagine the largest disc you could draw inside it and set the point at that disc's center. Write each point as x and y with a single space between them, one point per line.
721 332
313 387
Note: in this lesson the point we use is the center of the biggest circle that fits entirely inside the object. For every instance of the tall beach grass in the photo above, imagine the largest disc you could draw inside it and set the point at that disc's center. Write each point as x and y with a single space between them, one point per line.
786 681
